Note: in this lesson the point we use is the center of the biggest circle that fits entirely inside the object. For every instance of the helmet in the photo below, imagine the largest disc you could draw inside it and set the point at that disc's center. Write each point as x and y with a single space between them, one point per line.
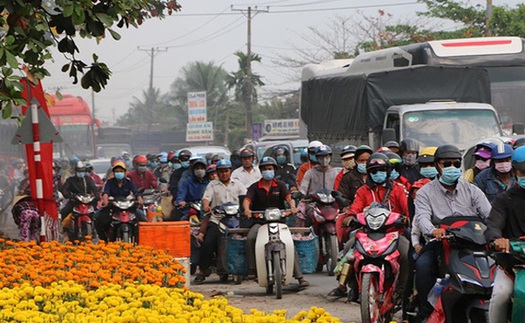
502 151
141 159
268 161
171 154
393 157
391 143
118 164
89 167
246 153
80 167
72 161
347 150
427 155
216 157
323 150
447 151
382 149
313 145
377 160
184 155
409 144
519 142
518 158
280 151
223 163
200 161
125 154
163 157
211 168
363 149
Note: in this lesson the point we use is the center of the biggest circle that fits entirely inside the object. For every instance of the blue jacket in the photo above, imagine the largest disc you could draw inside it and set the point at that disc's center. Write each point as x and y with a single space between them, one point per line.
487 181
191 189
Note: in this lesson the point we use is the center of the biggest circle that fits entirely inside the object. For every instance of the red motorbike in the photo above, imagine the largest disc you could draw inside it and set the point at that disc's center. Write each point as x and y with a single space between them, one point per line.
324 213
124 223
83 217
377 263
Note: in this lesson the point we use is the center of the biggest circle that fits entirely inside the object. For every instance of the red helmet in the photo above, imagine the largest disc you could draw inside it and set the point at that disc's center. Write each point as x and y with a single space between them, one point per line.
141 159
171 154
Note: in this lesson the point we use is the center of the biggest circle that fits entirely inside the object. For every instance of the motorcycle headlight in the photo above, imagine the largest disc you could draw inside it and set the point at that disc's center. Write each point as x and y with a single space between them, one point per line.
325 198
231 209
272 214
466 279
376 217
86 199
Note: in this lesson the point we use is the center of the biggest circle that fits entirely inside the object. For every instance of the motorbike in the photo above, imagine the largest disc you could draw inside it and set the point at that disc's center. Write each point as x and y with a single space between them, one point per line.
151 199
124 223
83 217
195 217
324 214
274 251
517 259
376 262
465 257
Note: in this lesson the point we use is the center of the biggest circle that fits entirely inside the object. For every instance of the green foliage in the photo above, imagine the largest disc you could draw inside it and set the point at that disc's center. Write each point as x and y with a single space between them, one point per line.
28 28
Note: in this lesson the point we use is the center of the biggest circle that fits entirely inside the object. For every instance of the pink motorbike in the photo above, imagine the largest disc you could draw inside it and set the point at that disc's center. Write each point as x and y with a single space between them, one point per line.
376 264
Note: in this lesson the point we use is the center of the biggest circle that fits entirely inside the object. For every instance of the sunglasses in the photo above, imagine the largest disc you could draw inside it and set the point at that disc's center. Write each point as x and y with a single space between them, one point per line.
375 170
456 164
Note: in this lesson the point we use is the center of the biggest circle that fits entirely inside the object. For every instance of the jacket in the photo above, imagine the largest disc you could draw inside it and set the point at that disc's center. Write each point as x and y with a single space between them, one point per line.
490 184
350 183
191 189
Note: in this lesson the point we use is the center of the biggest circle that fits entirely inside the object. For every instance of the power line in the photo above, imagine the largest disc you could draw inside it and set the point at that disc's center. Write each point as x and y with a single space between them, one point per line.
211 36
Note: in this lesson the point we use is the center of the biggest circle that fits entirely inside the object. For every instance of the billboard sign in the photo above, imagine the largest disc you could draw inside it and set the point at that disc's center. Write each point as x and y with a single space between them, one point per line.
277 127
199 131
196 107
257 130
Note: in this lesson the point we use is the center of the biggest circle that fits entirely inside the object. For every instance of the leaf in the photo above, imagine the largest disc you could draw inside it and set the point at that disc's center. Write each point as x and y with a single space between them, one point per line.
11 59
68 11
58 94
7 110
65 68
114 34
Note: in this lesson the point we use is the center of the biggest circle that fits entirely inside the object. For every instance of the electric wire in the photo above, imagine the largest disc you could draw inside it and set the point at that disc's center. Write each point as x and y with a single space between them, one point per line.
211 36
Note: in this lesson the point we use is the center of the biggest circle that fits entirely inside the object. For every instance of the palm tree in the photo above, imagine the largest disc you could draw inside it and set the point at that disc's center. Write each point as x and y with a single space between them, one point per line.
245 84
143 114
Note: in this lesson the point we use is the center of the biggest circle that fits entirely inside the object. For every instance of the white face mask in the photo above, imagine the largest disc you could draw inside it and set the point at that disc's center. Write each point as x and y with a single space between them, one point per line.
409 159
200 173
349 164
324 161
482 164
503 167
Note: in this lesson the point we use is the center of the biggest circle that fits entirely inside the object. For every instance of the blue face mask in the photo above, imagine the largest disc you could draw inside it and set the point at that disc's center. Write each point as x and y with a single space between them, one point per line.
81 174
185 164
521 181
155 164
429 172
313 158
281 159
379 177
120 176
177 166
170 164
361 168
394 175
268 174
450 175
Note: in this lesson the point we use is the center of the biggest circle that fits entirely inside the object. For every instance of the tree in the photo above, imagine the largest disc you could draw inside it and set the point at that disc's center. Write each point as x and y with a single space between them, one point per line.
244 85
28 28
143 115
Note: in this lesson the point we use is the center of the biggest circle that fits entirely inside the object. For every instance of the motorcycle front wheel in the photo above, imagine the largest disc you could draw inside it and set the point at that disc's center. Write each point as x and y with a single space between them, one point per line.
277 274
87 230
370 304
332 247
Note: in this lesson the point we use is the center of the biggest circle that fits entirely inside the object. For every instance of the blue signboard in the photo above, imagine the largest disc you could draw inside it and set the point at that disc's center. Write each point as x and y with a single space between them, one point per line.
257 130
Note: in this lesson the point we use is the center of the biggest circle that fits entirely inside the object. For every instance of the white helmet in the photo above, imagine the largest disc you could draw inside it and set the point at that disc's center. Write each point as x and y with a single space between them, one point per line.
313 145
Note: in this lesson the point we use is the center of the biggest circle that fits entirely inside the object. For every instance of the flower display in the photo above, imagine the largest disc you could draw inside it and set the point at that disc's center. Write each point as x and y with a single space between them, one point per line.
117 282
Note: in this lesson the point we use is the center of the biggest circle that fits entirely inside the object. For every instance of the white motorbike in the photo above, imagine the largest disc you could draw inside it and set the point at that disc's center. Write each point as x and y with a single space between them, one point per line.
274 252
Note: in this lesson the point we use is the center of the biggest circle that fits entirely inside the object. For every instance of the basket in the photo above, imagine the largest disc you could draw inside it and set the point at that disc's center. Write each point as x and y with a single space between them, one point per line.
173 237
236 259
308 251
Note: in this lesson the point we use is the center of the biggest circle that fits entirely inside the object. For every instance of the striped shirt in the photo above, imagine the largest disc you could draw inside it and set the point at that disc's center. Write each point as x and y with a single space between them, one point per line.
434 203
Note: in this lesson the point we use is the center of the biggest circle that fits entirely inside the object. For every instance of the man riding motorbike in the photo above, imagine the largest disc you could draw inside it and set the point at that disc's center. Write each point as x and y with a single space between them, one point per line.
285 171
445 196
192 189
141 176
263 194
506 222
118 186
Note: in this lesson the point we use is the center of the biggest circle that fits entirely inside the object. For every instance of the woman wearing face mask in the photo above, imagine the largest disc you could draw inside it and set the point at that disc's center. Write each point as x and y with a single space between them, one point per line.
427 169
118 186
499 177
322 175
397 179
482 155
409 152
192 189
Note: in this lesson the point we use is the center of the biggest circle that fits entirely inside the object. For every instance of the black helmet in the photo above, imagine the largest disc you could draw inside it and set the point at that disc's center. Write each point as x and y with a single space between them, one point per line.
393 157
409 144
268 161
519 142
246 153
348 150
184 155
391 143
200 161
447 151
280 151
363 149
377 160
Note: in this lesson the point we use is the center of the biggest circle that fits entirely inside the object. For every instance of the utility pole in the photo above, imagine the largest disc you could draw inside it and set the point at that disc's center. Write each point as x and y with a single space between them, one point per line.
488 16
151 52
247 87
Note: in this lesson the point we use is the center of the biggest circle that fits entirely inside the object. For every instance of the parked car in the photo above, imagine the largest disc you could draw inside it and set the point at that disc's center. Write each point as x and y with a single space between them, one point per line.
294 148
101 166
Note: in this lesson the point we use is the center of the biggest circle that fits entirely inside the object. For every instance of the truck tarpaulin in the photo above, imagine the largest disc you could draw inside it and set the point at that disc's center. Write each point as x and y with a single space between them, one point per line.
352 105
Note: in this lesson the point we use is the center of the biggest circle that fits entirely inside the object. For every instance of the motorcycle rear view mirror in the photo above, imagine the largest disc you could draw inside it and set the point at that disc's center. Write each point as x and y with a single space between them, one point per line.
297 195
163 180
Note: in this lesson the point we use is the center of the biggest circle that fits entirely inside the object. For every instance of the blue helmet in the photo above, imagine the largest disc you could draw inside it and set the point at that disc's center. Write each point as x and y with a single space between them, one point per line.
224 163
502 151
518 158
73 161
323 150
163 157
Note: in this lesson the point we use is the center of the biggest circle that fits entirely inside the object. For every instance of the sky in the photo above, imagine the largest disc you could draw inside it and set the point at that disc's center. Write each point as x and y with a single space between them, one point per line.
210 31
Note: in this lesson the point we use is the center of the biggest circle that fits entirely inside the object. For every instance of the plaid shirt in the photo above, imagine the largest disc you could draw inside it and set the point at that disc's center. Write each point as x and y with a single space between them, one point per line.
22 206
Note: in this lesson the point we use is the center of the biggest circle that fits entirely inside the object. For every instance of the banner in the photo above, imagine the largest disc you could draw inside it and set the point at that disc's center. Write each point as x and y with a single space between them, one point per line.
202 131
197 107
278 127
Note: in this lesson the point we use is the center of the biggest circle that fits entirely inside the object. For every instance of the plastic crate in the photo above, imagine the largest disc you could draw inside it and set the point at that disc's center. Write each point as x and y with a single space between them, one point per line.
173 237
308 251
236 259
